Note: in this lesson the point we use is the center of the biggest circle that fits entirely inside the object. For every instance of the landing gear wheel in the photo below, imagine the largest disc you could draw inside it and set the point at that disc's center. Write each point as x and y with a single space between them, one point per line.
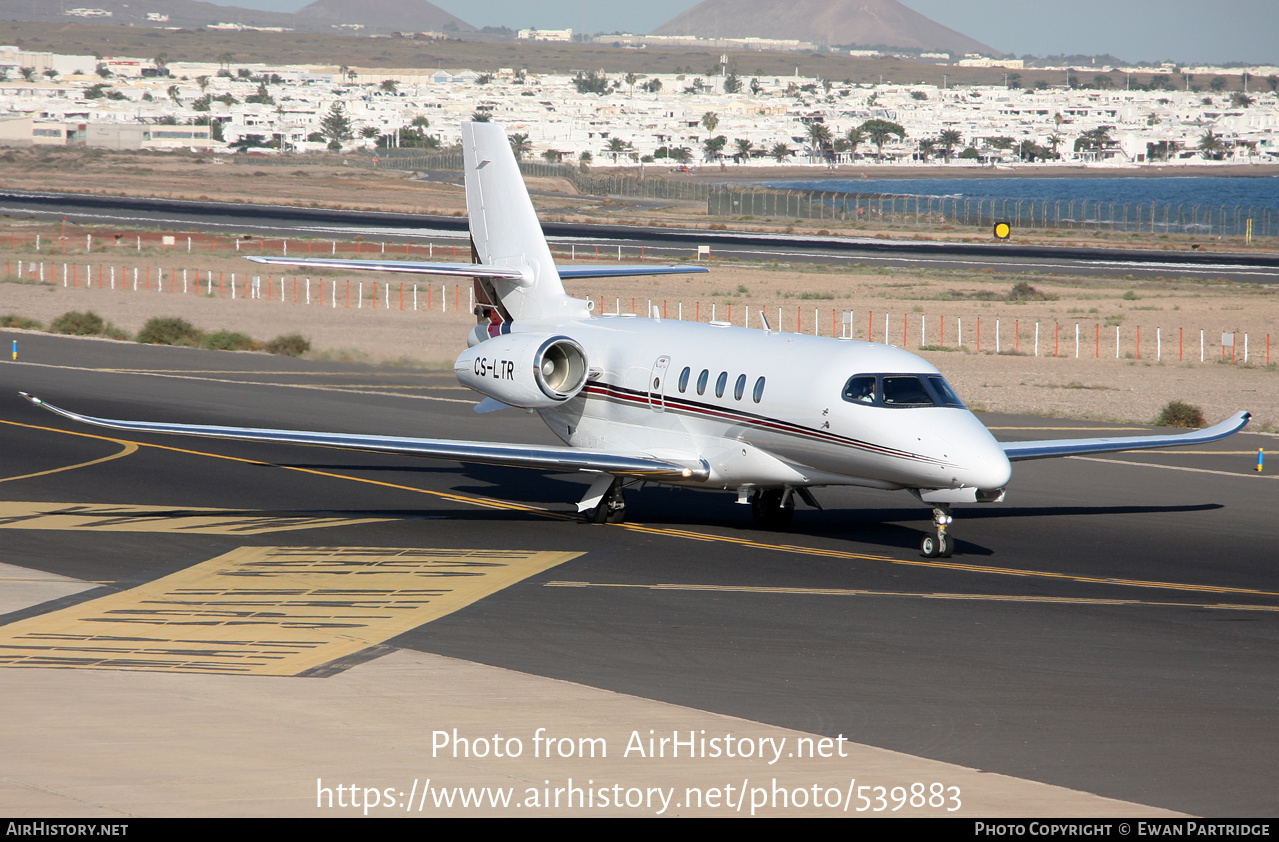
773 508
936 546
612 507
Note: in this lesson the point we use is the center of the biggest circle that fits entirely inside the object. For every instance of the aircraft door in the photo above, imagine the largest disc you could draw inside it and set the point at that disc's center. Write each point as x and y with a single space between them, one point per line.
657 384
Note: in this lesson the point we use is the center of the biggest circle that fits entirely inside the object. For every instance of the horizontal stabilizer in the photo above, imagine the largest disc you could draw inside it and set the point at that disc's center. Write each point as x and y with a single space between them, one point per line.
1020 450
468 270
546 457
569 273
475 270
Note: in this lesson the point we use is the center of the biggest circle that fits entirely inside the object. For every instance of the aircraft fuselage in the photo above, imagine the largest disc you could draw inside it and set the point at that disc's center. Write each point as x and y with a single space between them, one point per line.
770 409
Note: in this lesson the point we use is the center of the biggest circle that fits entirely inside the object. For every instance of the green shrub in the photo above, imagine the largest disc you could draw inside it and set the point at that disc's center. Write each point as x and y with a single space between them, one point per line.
113 332
169 330
1178 414
289 345
227 340
76 323
22 322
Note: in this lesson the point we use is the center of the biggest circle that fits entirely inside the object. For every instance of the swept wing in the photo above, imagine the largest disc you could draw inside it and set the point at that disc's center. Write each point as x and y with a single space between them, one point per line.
546 457
1021 450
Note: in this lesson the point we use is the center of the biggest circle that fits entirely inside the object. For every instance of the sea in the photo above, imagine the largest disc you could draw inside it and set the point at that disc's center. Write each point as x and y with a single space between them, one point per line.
1243 190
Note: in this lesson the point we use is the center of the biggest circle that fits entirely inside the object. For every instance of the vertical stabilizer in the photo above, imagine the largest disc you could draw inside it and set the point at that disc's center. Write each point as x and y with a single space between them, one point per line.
505 230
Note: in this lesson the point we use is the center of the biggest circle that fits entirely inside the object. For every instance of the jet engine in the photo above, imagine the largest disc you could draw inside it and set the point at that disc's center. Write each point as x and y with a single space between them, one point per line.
525 370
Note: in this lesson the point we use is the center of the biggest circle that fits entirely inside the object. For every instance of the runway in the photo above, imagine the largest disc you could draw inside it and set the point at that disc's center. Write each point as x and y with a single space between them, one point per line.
662 243
1101 643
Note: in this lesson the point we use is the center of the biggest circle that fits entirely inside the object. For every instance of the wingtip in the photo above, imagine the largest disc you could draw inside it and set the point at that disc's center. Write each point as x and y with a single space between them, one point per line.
34 400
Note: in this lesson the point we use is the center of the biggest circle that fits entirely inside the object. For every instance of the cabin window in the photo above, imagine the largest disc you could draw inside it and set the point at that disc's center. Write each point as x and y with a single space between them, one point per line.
683 378
701 381
739 388
906 390
758 394
720 383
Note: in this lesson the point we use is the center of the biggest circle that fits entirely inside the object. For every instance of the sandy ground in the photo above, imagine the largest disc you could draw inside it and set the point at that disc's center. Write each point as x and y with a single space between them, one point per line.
1094 385
1169 313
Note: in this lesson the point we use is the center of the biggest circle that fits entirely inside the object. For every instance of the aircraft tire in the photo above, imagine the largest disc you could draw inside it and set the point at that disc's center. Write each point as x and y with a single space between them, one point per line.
766 506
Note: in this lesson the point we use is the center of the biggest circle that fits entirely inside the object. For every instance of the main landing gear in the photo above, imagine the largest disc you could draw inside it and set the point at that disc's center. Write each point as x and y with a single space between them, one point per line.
939 545
773 508
610 507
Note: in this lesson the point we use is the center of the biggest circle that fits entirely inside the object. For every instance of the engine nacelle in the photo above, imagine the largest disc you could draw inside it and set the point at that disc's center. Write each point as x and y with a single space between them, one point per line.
526 370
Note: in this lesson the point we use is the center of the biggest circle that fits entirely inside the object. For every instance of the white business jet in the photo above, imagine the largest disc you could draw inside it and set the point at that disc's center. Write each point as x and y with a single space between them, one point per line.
765 414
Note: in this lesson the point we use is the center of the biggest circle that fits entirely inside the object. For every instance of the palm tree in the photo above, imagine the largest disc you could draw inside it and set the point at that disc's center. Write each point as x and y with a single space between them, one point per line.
926 147
1094 139
949 139
854 137
1211 146
710 121
616 146
879 131
714 146
744 148
520 145
780 152
174 93
681 154
818 139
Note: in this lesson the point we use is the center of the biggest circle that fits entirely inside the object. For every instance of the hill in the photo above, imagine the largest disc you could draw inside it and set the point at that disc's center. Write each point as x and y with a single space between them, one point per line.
384 15
374 16
869 23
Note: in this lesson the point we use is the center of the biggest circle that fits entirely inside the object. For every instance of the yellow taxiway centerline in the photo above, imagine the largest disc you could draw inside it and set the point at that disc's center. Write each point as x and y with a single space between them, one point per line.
704 536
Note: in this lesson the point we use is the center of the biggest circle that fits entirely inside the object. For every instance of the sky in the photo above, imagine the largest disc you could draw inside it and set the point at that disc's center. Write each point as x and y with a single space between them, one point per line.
1186 31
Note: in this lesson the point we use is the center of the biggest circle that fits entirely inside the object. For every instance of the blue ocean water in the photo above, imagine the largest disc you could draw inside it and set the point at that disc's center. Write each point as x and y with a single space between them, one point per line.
1258 191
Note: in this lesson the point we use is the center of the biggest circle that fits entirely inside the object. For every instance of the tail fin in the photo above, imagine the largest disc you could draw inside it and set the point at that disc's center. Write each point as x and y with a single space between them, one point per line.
505 230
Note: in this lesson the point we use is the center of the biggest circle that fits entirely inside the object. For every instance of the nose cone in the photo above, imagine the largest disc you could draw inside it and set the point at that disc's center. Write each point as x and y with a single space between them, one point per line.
983 463
989 468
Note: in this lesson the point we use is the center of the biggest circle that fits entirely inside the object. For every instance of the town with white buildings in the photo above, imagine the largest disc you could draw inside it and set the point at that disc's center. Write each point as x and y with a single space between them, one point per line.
634 119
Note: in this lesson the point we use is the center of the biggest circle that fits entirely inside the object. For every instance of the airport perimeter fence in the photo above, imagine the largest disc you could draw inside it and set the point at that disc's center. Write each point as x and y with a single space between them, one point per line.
879 209
913 331
1247 221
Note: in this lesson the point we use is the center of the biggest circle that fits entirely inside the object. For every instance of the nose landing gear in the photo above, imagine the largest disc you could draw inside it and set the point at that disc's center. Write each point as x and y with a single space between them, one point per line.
939 545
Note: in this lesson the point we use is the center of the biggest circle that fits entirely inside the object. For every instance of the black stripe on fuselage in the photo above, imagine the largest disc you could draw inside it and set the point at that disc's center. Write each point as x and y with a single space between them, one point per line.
632 397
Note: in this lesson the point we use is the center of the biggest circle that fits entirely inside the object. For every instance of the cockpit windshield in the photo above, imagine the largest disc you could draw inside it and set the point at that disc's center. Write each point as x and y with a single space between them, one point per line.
905 390
900 390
